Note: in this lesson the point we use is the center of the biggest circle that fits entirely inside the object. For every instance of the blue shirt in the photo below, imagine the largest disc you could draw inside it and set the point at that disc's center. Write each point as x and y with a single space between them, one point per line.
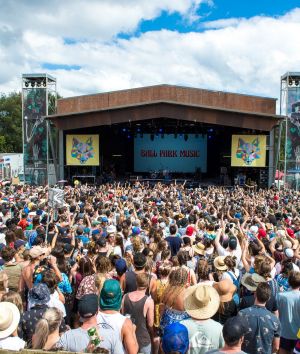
263 326
289 313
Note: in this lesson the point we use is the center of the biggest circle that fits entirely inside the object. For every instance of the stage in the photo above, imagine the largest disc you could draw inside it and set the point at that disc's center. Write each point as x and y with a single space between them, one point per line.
167 133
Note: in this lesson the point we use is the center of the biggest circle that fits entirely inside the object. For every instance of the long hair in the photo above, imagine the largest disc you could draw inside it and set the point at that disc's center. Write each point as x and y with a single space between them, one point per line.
49 323
177 280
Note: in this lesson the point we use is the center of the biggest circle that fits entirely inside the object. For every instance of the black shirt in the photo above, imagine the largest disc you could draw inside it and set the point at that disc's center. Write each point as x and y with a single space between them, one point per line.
29 320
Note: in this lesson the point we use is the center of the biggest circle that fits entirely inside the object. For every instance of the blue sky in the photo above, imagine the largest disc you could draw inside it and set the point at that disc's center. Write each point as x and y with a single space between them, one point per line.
240 46
219 9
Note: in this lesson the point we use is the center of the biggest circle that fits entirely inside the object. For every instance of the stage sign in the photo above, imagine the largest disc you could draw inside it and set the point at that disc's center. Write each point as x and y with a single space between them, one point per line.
55 198
82 150
170 153
248 150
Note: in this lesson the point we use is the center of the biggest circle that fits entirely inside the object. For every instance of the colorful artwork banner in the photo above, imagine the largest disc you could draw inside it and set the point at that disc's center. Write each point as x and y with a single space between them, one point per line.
248 150
82 150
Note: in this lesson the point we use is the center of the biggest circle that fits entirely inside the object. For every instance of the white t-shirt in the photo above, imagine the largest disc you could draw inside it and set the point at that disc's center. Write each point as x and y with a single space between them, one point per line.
55 302
12 343
235 274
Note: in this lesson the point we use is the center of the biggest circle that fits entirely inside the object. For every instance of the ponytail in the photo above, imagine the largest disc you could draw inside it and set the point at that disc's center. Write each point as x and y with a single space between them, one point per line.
41 334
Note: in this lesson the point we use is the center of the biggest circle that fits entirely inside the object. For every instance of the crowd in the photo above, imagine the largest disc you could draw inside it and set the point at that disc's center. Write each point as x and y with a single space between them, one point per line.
134 268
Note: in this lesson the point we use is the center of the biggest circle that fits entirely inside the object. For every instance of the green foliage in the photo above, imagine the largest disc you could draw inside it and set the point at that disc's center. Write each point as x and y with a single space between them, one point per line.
11 123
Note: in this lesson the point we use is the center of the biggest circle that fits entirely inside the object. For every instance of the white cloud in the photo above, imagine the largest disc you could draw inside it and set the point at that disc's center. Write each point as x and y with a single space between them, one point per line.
239 55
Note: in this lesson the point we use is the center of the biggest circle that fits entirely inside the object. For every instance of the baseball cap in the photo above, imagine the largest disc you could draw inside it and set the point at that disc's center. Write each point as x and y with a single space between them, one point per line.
111 229
121 265
136 230
104 219
111 295
88 305
233 330
232 244
289 253
261 233
189 231
37 251
254 229
19 243
95 222
290 232
175 339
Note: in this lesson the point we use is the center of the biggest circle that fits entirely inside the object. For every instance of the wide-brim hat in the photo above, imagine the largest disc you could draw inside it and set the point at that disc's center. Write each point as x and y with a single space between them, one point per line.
219 263
225 289
251 281
201 301
199 248
9 319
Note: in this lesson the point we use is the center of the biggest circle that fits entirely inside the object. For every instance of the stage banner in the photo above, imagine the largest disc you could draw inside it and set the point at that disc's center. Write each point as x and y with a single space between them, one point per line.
248 150
82 150
170 153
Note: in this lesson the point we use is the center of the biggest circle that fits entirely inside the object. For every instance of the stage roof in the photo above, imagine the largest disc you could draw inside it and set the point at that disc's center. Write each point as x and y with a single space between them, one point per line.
166 101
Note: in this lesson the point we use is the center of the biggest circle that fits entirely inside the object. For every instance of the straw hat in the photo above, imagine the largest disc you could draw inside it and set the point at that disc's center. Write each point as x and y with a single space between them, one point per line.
219 263
9 319
199 248
201 301
251 281
225 289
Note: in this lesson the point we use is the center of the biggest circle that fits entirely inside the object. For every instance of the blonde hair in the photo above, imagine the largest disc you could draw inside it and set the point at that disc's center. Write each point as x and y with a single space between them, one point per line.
49 323
14 298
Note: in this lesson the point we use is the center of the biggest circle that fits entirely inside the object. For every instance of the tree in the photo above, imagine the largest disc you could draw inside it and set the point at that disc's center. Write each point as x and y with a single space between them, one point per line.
11 123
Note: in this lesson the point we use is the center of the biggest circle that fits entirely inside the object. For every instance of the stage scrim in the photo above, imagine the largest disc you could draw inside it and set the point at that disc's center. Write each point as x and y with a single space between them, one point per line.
82 150
248 151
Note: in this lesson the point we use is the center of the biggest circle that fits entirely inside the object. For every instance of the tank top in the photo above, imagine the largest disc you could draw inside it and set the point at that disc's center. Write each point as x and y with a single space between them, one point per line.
136 310
113 321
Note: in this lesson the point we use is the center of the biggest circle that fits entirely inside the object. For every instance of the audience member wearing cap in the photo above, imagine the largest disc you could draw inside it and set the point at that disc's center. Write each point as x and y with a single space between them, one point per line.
175 339
38 299
9 321
109 313
77 340
263 327
233 331
201 302
228 307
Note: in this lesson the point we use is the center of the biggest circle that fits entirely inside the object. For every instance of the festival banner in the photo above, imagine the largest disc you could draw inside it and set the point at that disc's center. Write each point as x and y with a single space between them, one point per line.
82 150
248 150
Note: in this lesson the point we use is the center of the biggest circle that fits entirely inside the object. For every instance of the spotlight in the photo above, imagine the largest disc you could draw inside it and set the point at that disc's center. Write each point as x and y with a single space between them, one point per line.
152 137
160 130
44 83
290 82
138 130
180 135
209 137
128 136
38 84
186 137
124 130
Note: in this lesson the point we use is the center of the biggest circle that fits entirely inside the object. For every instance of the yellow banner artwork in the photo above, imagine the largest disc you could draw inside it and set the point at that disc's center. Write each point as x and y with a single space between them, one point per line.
248 150
82 150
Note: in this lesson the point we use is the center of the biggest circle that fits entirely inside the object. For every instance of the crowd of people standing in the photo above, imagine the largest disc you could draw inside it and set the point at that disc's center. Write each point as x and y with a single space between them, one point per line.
139 268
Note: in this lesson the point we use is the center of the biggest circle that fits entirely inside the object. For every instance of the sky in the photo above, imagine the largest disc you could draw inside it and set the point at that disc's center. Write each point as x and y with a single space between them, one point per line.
92 46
